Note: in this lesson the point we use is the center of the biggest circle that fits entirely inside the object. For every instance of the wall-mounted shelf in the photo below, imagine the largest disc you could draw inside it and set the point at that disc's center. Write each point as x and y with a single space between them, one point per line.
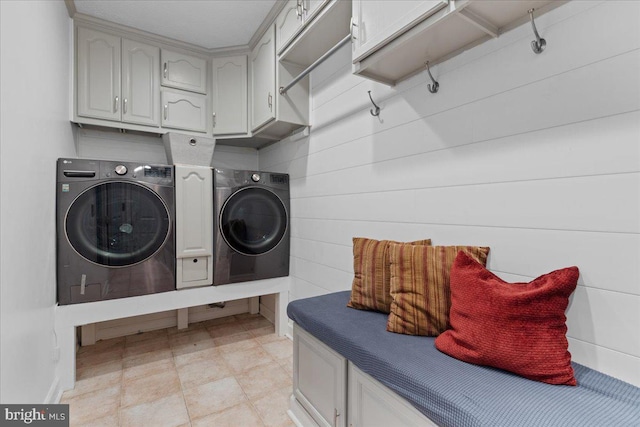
455 28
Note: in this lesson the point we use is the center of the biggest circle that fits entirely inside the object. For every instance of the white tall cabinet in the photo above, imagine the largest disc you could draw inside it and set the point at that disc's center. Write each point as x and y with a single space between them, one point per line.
194 226
263 78
118 79
229 95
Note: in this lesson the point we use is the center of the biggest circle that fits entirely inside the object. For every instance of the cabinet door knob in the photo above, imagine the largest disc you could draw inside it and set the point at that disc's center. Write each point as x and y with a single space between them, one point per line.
214 119
165 111
164 72
124 106
115 104
269 101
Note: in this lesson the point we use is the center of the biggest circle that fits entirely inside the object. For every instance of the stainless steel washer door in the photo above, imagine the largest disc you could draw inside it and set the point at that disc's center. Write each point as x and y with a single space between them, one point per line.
117 224
253 221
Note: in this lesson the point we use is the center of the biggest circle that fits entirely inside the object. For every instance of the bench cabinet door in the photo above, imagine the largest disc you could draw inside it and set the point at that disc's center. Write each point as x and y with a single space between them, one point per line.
371 404
319 379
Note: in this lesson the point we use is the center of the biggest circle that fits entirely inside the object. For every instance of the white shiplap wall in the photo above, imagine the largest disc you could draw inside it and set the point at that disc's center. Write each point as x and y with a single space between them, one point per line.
536 156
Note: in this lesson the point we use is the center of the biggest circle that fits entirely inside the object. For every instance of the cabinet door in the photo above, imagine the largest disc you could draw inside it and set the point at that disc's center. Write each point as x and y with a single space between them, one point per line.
319 379
140 83
184 72
263 80
194 211
182 110
194 226
288 23
311 7
229 95
98 77
372 404
380 21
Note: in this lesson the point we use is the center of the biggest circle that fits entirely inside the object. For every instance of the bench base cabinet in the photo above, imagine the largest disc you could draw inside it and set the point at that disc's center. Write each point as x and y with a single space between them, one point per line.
328 390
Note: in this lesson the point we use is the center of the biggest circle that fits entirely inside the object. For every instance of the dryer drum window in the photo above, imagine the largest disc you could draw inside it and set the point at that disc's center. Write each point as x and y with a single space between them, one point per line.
253 221
117 224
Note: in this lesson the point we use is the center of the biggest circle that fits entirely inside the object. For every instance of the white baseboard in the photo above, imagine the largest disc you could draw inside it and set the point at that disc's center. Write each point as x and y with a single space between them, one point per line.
55 392
299 415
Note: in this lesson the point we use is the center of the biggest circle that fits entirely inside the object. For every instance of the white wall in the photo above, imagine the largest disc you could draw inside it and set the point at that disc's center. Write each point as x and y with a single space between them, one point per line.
536 156
35 131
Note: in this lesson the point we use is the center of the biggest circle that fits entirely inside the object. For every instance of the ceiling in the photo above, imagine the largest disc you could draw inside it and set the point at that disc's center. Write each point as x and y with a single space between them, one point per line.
210 24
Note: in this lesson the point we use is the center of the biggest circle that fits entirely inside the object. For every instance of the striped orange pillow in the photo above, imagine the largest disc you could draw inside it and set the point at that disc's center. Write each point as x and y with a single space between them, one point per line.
421 298
370 288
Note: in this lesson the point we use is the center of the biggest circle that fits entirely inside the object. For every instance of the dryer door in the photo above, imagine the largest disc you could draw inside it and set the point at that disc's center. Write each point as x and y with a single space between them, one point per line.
253 221
117 223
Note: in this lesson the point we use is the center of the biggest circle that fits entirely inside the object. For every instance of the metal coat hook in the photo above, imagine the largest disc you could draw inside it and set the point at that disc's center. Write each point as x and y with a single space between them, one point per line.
377 112
539 43
432 88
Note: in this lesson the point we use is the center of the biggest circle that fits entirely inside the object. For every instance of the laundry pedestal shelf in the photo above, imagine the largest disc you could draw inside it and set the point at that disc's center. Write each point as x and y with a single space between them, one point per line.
68 317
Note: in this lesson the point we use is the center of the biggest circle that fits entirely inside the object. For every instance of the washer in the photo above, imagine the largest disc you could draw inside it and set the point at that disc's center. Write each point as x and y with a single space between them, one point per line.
115 230
251 223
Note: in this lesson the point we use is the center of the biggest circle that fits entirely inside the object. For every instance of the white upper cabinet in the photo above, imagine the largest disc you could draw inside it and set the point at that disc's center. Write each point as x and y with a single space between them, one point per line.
184 110
288 23
185 72
263 80
229 95
98 75
293 18
140 83
377 22
118 79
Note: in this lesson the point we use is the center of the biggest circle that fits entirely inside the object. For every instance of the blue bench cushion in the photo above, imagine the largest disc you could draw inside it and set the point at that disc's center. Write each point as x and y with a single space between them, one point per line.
455 393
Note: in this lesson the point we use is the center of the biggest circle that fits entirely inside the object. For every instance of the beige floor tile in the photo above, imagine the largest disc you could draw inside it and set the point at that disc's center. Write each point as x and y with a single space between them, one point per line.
195 356
203 371
242 415
150 388
256 324
168 411
237 342
111 420
265 334
280 349
145 358
93 406
263 379
145 368
226 329
191 328
287 364
102 346
147 346
145 336
192 342
214 397
240 361
88 359
272 408
95 378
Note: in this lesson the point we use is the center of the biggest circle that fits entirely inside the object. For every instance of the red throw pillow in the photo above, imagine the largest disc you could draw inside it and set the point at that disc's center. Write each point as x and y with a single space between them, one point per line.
518 327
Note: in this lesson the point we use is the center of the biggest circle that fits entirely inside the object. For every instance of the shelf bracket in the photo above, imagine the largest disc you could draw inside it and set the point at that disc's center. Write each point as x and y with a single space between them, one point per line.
479 22
539 43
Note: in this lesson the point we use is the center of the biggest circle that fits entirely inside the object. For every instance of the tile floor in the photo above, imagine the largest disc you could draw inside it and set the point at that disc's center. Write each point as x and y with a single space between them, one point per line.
233 371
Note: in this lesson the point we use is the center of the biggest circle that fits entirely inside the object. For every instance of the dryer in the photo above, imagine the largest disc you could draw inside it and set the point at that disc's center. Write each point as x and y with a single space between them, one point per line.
251 225
115 230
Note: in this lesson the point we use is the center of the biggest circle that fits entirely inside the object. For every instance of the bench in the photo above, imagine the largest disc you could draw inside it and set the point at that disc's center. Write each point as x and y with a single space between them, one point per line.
348 370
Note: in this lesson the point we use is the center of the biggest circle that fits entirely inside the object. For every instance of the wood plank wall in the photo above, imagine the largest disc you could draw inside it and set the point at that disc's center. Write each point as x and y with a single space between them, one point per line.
536 156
